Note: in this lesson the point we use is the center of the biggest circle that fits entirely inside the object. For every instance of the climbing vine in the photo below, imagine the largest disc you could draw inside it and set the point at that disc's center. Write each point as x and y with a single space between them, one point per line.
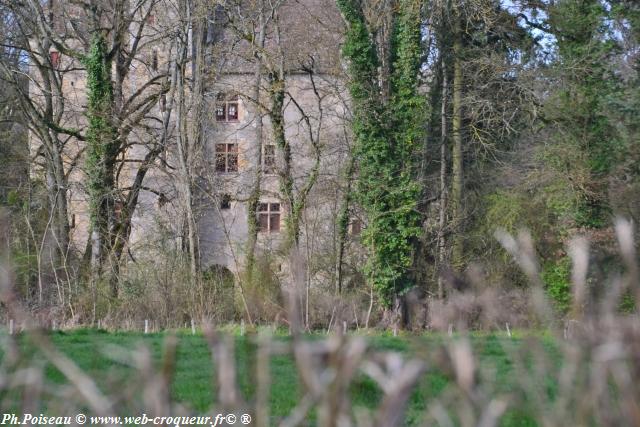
386 136
101 135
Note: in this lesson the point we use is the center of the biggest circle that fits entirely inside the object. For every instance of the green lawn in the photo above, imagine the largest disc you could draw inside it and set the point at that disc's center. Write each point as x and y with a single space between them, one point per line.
192 384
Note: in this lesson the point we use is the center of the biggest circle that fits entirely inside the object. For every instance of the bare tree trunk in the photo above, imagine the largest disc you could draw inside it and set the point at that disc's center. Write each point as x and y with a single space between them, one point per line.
343 224
61 209
44 119
443 182
188 137
195 135
184 159
457 152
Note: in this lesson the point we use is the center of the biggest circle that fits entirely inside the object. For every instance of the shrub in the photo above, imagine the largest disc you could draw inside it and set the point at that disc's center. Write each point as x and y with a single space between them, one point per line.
556 276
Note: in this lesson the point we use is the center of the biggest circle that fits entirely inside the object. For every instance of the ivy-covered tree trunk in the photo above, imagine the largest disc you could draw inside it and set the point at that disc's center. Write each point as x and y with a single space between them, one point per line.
102 148
254 196
256 187
276 114
285 174
387 137
409 111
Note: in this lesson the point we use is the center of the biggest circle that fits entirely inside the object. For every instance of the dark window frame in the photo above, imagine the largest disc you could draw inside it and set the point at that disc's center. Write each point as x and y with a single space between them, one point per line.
355 227
225 202
269 217
154 60
227 108
269 159
54 57
226 157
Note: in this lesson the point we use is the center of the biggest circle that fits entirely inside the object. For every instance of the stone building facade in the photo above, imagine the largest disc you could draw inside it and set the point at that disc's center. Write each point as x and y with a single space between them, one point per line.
303 40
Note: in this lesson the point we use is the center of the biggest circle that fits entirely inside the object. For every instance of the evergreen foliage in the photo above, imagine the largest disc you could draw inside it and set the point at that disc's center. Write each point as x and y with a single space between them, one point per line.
485 115
580 107
101 134
387 137
556 277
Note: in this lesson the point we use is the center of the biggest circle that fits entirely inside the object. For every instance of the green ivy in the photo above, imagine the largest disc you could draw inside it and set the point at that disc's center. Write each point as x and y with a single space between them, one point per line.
627 303
387 137
556 277
101 138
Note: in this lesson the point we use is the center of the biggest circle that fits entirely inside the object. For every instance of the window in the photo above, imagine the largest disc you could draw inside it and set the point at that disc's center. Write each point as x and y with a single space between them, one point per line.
154 60
269 159
227 108
225 201
355 228
226 157
54 56
151 19
269 217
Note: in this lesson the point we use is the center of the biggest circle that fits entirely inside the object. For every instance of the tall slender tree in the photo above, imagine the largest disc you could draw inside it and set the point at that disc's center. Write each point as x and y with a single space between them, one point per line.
388 135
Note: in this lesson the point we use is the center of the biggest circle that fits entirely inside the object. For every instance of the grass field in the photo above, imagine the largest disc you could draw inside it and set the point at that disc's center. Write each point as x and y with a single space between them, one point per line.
193 384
